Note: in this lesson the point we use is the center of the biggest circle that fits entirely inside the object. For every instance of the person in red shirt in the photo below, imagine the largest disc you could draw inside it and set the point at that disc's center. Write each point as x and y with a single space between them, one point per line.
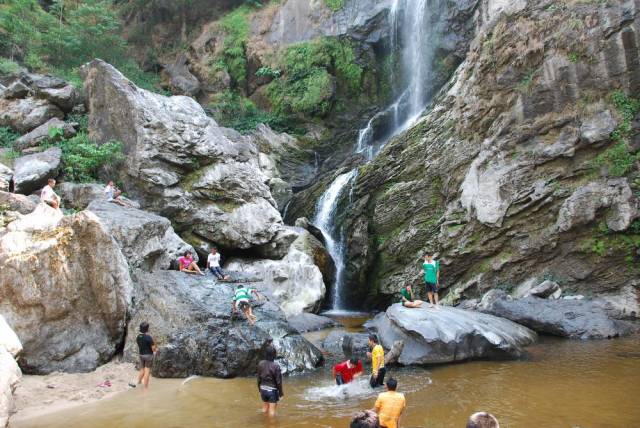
347 371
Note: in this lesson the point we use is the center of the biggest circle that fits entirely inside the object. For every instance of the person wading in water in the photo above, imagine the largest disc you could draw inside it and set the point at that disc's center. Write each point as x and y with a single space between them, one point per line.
270 382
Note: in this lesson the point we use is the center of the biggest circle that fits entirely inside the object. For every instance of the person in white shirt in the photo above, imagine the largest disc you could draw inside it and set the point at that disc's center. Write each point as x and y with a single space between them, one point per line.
48 196
112 193
213 264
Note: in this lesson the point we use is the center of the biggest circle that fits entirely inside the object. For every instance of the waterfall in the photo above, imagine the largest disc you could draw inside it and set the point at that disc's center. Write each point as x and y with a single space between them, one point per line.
325 213
410 35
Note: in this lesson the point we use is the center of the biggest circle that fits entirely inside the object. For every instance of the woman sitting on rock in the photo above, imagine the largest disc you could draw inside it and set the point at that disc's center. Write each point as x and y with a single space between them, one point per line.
187 265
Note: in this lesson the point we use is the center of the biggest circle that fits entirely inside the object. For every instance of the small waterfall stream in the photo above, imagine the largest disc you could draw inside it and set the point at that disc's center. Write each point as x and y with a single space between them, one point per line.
409 21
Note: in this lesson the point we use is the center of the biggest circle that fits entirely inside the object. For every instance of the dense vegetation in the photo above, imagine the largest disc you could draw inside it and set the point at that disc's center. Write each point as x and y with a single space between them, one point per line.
60 39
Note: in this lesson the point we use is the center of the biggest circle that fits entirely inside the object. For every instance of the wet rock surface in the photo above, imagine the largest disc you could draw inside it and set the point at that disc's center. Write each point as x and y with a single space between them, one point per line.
190 318
445 335
306 322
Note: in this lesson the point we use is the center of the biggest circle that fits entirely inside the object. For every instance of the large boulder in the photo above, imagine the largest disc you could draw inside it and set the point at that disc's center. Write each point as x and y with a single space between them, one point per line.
181 81
147 240
31 172
182 165
16 202
6 174
65 97
41 133
65 289
575 319
445 335
79 195
305 322
26 114
10 374
190 318
295 282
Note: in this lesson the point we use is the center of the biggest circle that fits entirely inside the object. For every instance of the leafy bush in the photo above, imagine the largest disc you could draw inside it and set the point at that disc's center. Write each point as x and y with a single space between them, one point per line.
617 160
82 159
308 85
334 5
7 136
8 67
236 28
627 107
266 71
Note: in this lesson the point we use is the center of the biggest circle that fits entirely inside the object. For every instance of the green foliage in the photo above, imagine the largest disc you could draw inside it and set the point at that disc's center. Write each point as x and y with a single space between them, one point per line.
7 136
627 107
617 160
334 5
236 27
309 68
82 158
573 57
66 36
8 67
266 71
233 111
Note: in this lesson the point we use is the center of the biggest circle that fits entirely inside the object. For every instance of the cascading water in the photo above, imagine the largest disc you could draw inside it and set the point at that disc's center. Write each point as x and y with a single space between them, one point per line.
410 27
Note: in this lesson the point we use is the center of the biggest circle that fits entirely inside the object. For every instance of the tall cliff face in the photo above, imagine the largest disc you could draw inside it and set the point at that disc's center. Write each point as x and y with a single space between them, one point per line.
524 167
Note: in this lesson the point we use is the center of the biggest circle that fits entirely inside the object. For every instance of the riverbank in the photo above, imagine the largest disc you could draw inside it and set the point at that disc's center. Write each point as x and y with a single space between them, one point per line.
37 396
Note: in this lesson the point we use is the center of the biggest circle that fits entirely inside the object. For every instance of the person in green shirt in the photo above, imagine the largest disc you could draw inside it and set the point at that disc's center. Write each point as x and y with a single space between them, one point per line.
242 300
406 298
431 271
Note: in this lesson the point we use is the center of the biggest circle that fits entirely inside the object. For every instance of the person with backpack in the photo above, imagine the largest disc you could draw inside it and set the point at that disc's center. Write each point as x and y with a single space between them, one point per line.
431 272
269 382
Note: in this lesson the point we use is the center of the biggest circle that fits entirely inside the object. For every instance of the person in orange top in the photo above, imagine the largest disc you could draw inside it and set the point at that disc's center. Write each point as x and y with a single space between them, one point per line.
390 405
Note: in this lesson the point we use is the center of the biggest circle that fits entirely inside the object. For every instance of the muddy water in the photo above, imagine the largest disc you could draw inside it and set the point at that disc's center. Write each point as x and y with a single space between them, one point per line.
561 384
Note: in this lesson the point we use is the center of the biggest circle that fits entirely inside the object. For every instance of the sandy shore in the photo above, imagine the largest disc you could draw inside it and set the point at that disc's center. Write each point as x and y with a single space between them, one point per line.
39 395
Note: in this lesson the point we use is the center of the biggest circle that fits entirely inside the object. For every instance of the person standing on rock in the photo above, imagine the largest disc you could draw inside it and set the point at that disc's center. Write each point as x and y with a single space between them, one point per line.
147 348
390 405
407 299
188 265
48 196
270 382
242 300
431 270
346 371
213 264
377 362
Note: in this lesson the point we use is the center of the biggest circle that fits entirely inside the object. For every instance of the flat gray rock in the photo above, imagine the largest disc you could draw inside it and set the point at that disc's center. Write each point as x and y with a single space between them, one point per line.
306 321
575 319
445 335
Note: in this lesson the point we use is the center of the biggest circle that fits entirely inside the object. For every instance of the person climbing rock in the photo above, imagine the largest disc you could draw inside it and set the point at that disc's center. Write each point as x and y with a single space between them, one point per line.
407 299
346 371
48 196
377 362
390 405
270 382
147 349
431 271
213 264
188 265
242 300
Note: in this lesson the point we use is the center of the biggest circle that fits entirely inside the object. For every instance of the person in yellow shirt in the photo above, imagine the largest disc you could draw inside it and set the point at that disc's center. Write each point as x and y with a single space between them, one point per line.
390 405
377 362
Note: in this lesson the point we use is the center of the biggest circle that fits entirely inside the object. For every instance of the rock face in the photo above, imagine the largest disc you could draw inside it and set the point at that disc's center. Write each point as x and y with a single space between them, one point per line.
32 171
70 280
575 319
444 335
10 374
180 78
26 114
503 176
15 202
206 179
295 282
190 320
6 174
147 240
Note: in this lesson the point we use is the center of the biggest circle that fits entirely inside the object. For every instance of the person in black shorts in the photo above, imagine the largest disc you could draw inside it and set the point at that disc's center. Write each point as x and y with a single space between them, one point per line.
270 382
146 347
